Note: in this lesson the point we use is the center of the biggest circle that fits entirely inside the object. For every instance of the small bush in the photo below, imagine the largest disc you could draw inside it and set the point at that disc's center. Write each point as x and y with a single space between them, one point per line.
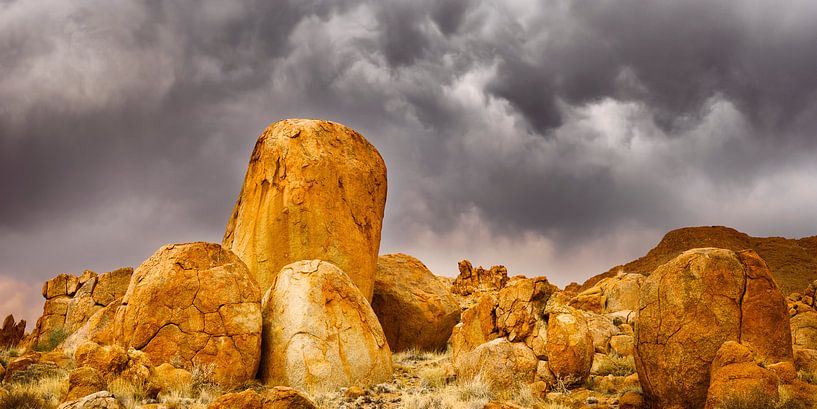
433 377
807 376
751 399
474 389
6 355
618 366
130 394
22 399
55 338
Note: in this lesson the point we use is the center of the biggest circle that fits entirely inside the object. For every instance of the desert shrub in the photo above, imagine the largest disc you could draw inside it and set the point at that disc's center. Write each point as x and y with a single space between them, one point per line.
128 392
35 373
473 390
807 376
54 339
433 377
748 399
523 396
434 401
618 366
7 354
40 392
22 399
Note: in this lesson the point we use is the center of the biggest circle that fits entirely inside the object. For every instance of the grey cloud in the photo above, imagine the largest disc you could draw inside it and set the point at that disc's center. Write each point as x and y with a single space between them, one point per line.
543 126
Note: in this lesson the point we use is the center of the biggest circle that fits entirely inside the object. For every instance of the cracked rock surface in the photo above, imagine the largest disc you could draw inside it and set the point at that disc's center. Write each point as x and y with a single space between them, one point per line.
693 304
320 332
313 190
194 304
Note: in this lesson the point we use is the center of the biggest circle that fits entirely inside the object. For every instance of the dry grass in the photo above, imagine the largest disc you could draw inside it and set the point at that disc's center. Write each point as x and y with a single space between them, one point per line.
807 376
412 357
44 391
129 393
433 377
7 354
618 366
471 394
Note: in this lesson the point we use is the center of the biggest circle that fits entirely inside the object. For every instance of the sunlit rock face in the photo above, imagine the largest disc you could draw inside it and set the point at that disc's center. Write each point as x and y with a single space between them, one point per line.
313 190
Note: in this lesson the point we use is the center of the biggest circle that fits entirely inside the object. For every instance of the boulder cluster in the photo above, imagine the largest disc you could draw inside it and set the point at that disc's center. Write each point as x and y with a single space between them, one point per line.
296 300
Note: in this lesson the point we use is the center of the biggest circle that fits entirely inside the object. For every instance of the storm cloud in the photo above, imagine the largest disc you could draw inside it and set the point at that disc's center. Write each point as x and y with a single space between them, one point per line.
555 137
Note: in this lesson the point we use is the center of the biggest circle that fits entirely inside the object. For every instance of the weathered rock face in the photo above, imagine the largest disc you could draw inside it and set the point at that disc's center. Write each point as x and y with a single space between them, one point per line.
329 338
72 300
472 280
500 363
478 326
197 304
804 330
569 344
12 332
84 381
279 397
690 306
313 190
735 377
520 306
415 309
612 294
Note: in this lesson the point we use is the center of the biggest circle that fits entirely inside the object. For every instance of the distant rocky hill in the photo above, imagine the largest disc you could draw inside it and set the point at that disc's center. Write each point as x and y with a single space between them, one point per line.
793 262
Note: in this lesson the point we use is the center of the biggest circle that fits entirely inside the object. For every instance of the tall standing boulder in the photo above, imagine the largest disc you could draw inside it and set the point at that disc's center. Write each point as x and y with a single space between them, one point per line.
693 304
569 344
320 332
313 190
415 309
194 304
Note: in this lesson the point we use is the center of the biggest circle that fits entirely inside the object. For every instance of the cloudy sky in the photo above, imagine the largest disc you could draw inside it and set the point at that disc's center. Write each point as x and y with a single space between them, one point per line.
555 137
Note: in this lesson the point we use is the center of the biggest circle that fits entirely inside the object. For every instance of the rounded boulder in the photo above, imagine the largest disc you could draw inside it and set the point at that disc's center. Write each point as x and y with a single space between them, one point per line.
194 304
320 333
691 306
415 309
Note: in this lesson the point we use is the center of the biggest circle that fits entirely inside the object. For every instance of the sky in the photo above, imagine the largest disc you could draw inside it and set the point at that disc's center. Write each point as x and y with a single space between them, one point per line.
555 137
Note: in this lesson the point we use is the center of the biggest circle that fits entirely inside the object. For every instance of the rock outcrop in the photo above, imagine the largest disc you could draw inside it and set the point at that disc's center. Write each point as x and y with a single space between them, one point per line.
611 294
194 304
415 309
72 300
792 262
313 190
12 332
329 338
690 306
525 325
473 280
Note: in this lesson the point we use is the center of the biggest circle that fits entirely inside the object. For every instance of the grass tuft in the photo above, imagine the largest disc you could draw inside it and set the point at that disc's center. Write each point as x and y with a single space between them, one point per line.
55 338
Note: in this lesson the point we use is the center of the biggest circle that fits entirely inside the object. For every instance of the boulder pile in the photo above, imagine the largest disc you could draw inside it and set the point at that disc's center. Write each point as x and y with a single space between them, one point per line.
71 300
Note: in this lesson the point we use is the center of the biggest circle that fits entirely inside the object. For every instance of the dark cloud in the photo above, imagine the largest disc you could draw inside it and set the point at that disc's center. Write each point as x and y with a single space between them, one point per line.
557 137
